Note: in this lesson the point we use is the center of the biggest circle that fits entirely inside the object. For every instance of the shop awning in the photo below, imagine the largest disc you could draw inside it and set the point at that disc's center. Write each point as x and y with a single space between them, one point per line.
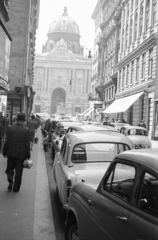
121 105
83 113
91 110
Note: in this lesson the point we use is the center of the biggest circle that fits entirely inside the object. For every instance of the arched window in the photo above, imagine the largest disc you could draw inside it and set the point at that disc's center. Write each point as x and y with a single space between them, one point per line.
39 86
147 14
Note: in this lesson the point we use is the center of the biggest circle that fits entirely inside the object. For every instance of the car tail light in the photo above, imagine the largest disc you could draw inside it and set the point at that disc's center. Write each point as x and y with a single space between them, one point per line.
69 186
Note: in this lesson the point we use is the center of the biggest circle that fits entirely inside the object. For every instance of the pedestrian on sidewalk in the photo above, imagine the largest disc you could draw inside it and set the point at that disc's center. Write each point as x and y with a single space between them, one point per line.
32 124
16 149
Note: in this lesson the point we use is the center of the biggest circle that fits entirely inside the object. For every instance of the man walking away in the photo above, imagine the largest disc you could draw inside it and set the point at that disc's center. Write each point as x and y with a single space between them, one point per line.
32 124
16 149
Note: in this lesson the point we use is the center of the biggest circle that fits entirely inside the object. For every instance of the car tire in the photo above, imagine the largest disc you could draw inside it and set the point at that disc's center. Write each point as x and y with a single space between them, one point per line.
71 230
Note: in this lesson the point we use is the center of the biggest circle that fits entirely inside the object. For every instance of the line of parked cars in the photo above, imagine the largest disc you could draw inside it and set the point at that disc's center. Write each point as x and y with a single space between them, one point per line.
107 182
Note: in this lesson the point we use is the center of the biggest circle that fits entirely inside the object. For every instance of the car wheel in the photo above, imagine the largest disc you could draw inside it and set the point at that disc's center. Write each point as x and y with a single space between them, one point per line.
71 230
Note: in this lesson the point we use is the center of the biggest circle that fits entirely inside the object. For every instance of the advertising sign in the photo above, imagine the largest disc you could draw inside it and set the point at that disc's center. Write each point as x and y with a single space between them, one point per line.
5 44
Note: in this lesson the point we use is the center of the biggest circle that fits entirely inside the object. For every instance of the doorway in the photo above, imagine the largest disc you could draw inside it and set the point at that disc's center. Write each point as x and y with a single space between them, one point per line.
58 100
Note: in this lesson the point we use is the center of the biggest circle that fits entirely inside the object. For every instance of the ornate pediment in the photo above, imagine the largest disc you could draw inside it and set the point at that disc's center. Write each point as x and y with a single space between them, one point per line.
61 51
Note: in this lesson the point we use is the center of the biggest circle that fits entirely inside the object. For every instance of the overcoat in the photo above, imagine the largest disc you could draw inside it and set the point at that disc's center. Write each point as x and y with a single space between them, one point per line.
17 142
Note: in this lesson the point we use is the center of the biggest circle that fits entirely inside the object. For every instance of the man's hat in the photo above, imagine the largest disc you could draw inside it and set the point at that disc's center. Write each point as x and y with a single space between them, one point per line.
21 117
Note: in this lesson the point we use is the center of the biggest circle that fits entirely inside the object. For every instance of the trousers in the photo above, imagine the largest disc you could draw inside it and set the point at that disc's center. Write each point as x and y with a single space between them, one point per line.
14 171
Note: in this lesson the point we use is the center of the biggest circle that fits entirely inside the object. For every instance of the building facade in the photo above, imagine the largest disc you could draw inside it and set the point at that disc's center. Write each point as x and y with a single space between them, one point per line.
22 26
5 43
128 72
62 73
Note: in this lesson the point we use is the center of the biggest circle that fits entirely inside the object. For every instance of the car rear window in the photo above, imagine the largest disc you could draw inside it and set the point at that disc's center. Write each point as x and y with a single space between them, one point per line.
96 152
137 132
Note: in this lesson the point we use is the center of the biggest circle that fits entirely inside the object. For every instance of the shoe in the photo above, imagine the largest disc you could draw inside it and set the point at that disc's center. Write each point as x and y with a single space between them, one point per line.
10 186
15 190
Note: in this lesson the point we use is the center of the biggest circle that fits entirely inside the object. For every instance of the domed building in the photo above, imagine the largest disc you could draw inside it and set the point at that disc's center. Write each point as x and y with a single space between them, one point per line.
62 72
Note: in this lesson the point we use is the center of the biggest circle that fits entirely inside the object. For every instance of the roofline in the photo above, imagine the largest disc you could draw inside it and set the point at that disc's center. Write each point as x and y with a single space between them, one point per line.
96 10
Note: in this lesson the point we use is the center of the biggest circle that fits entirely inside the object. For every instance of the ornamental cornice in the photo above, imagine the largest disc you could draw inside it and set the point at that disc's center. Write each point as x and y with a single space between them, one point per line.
151 41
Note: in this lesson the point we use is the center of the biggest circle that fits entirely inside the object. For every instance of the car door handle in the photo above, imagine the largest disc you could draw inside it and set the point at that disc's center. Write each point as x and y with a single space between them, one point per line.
121 218
89 201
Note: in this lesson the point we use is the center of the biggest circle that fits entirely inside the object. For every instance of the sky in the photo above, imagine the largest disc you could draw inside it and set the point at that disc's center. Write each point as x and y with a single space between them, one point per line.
80 10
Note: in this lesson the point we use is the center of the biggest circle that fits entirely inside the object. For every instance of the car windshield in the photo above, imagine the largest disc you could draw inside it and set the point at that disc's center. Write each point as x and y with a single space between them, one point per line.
97 152
141 132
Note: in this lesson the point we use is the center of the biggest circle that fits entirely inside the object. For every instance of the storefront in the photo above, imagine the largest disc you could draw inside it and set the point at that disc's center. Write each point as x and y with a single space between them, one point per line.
5 44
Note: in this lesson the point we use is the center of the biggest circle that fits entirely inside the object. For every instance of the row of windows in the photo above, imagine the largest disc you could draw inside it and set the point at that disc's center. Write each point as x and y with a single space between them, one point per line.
110 93
135 27
127 75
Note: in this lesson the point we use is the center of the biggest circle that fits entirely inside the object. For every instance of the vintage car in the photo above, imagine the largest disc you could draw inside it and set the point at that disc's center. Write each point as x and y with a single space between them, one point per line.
90 128
137 135
84 156
118 126
123 206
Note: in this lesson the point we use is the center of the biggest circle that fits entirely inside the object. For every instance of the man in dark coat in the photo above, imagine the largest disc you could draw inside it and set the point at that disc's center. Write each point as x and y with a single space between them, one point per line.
16 149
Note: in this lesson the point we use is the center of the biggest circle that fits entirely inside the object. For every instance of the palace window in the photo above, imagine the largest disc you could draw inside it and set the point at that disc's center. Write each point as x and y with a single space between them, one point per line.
132 72
137 70
39 86
147 14
150 68
127 79
143 65
154 11
141 20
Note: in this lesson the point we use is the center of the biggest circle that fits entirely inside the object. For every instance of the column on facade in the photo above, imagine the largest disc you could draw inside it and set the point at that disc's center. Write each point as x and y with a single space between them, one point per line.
125 25
83 77
138 25
144 14
150 19
121 33
74 81
45 79
134 15
102 64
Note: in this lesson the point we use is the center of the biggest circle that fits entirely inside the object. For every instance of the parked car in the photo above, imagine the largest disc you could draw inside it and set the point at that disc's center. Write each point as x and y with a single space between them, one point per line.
123 206
90 127
118 126
137 135
84 156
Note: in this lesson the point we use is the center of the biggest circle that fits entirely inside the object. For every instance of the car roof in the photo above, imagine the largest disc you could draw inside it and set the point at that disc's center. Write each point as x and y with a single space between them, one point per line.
120 124
147 157
97 136
134 127
91 127
69 123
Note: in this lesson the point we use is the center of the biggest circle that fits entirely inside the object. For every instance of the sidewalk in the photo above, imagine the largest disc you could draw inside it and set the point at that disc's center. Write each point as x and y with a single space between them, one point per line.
27 215
43 219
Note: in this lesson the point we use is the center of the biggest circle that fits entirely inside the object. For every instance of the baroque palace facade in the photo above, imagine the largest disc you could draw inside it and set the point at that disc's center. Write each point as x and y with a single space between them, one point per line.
62 73
127 66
